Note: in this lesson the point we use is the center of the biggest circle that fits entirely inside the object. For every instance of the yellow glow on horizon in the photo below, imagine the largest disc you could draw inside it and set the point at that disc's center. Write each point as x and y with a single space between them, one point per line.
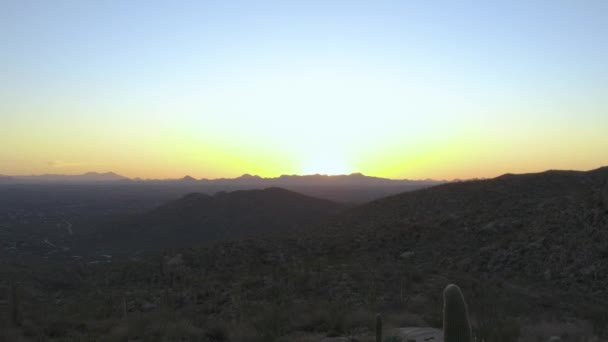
326 165
300 121
389 89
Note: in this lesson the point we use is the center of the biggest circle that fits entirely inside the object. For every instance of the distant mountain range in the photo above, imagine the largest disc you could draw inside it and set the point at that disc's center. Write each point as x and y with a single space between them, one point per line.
89 177
316 179
197 218
354 188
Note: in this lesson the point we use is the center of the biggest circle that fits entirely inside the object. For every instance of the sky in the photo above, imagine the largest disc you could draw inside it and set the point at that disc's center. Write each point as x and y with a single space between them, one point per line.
399 89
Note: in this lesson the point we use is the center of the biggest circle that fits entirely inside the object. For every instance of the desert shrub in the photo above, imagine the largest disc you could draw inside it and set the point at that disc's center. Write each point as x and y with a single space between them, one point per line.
62 328
359 320
11 335
271 321
182 330
337 313
101 326
599 321
491 317
158 326
332 318
392 339
216 333
312 319
498 330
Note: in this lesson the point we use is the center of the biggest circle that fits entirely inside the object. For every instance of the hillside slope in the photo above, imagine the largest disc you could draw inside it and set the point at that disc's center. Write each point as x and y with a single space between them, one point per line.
198 218
550 227
539 235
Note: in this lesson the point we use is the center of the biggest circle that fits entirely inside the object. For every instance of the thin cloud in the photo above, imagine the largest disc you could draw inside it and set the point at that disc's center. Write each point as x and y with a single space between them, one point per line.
61 164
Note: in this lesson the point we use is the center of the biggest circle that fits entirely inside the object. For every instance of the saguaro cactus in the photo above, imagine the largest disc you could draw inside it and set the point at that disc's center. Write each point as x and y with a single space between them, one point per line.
378 328
14 304
456 326
123 306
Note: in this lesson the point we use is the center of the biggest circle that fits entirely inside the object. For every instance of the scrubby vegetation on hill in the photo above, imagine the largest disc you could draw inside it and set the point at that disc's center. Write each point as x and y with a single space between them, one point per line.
529 252
197 218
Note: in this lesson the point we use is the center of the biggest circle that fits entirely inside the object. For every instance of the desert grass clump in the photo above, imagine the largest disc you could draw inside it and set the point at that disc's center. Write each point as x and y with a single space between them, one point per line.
456 326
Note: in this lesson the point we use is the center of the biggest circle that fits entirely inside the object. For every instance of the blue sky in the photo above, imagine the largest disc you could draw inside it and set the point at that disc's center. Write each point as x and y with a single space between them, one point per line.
254 83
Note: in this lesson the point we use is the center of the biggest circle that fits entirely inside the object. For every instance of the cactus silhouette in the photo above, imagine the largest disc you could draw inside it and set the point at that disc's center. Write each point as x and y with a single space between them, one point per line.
378 328
14 304
123 306
456 326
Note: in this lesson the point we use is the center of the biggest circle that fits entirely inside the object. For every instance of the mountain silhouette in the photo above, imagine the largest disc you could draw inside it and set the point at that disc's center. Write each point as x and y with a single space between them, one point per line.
198 218
353 188
89 177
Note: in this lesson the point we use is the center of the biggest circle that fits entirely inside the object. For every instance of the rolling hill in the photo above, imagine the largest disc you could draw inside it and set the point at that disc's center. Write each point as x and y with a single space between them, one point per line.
537 232
197 218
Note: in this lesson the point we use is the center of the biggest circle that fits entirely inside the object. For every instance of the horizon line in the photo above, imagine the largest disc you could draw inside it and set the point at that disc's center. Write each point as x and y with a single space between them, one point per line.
248 175
244 175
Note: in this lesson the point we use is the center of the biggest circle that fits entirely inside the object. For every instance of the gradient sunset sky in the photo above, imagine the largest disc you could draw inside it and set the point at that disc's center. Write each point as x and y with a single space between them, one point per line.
400 89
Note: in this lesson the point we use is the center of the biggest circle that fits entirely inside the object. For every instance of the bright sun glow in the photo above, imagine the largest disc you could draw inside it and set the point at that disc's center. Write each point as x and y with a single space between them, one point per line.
326 165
